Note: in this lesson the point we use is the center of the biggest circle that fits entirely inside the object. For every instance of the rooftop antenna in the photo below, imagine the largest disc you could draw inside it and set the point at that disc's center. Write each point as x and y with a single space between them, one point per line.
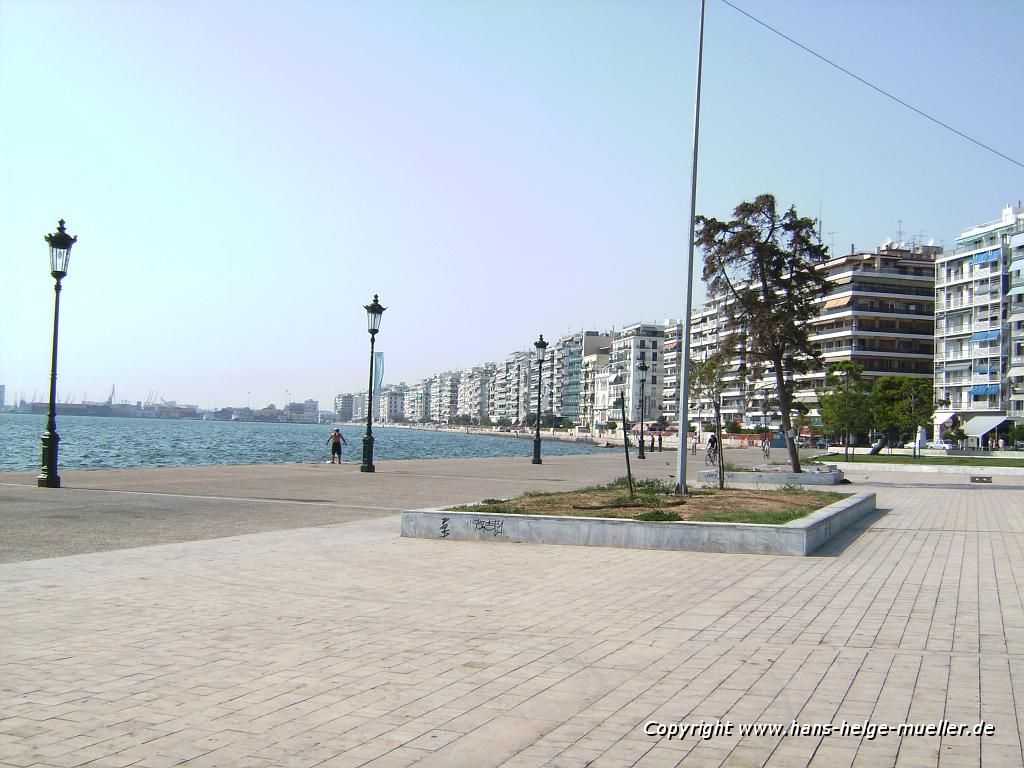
831 243
899 232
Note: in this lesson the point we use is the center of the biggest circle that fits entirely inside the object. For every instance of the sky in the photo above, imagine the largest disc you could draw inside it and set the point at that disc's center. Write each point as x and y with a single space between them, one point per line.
244 176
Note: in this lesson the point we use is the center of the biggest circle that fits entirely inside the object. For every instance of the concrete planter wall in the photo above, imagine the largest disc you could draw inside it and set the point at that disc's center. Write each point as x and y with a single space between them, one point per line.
830 476
799 537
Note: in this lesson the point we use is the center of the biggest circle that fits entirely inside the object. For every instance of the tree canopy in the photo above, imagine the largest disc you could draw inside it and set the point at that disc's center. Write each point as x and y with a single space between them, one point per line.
843 402
901 404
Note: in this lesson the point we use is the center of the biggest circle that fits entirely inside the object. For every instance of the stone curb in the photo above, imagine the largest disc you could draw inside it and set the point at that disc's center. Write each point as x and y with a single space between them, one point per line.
851 466
799 537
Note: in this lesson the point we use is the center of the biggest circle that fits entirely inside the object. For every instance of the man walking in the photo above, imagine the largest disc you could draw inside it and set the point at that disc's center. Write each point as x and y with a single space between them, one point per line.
337 440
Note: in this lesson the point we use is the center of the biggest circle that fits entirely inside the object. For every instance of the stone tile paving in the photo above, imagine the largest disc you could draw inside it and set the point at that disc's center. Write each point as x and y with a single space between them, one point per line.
347 646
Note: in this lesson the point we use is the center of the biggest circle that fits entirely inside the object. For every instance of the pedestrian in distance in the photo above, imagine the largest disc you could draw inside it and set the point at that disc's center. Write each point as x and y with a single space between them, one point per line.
659 441
336 440
694 442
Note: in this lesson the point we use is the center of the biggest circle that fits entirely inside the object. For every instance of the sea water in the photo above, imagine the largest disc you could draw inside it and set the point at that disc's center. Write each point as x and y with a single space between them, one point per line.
93 442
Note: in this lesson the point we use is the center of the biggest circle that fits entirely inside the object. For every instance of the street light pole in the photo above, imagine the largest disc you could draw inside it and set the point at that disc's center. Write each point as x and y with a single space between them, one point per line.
642 367
684 368
373 313
60 252
541 345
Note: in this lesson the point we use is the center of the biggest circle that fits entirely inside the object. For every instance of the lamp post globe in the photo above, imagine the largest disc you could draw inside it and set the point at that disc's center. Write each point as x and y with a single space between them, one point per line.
541 345
642 368
60 243
373 314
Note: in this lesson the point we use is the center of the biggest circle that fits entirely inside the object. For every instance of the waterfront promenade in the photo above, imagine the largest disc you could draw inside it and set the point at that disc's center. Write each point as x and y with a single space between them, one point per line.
272 616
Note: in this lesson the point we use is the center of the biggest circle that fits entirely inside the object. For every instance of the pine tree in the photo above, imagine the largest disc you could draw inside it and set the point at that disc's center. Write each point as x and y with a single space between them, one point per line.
763 264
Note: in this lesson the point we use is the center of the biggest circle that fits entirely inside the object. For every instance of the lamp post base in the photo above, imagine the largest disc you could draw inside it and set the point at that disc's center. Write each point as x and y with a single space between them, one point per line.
49 478
536 451
367 465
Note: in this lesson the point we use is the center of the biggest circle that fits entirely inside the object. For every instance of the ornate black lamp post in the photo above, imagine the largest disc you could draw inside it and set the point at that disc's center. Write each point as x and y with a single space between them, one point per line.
373 313
60 252
642 367
541 345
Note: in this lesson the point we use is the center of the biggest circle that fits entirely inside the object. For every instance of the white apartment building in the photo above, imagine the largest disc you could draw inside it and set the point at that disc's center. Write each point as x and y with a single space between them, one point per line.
359 406
343 406
638 342
566 361
444 396
475 391
391 404
979 329
591 407
513 387
416 402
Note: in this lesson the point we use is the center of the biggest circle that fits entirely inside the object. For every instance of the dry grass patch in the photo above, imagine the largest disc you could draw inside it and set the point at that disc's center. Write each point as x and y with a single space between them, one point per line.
655 502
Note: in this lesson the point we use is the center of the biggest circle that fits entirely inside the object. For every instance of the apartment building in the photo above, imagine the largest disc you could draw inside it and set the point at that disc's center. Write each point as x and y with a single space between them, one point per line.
475 391
512 400
566 361
343 406
637 342
391 404
359 406
594 409
979 328
416 402
444 396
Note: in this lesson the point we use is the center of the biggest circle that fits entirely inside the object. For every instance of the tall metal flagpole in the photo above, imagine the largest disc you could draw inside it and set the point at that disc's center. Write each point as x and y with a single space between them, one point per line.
684 389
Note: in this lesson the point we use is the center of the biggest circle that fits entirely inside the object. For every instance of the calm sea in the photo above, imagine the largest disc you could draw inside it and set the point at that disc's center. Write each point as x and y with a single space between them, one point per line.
88 442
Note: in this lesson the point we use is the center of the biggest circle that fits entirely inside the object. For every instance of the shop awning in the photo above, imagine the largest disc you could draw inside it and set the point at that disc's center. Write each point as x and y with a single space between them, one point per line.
1015 371
980 426
941 418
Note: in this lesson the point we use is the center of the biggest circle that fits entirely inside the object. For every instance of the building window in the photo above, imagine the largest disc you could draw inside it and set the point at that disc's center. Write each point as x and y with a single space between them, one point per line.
654 356
654 345
642 344
654 379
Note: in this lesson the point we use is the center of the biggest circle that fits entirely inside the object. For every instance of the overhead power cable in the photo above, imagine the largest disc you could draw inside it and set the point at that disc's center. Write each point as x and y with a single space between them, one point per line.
872 85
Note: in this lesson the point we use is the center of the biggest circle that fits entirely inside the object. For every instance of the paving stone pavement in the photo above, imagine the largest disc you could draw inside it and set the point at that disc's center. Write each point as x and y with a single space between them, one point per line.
345 645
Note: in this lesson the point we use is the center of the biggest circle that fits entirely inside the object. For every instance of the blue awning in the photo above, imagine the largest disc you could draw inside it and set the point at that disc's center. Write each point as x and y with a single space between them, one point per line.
987 257
985 336
982 390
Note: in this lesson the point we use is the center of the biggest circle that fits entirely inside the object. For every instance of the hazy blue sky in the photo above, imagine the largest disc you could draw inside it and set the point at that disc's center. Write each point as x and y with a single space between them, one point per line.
244 176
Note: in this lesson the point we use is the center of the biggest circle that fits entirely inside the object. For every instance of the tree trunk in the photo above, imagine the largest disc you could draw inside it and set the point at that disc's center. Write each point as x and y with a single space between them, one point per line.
785 404
721 453
846 443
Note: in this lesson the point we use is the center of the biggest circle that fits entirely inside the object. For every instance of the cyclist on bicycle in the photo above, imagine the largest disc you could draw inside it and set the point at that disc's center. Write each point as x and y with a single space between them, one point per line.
712 452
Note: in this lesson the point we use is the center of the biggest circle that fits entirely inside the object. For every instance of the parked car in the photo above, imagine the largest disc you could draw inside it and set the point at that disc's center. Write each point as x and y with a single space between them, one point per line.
941 445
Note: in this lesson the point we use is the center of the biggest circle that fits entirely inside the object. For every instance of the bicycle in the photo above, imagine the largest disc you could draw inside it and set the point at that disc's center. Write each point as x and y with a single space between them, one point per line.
711 456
